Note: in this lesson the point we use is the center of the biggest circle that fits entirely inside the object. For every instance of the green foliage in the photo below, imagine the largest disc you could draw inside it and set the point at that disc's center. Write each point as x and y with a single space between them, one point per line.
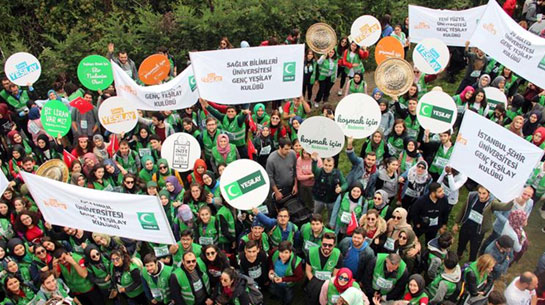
62 33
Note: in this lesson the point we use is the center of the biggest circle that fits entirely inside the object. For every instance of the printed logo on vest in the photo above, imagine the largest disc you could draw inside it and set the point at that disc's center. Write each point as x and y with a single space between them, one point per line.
147 220
289 72
244 185
435 112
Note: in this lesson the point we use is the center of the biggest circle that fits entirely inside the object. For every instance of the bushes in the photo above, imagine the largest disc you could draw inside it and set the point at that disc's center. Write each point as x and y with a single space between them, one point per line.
61 35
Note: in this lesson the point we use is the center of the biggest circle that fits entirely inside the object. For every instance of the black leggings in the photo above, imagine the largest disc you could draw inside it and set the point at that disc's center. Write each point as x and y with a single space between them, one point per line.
341 73
307 88
323 92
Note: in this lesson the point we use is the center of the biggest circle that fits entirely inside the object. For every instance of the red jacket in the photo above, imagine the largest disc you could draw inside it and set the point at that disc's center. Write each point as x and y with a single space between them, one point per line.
344 62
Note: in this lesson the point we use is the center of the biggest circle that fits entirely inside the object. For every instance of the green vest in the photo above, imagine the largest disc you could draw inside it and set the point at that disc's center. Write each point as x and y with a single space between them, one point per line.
178 256
323 272
19 104
432 287
325 68
210 234
291 265
309 240
344 214
101 273
264 241
187 286
537 180
395 146
510 83
416 300
6 230
29 299
441 159
75 282
160 286
404 166
382 213
379 151
61 289
126 281
209 143
353 60
276 234
231 156
529 139
333 294
238 132
413 127
385 285
421 85
356 88
479 277
226 216
130 164
300 111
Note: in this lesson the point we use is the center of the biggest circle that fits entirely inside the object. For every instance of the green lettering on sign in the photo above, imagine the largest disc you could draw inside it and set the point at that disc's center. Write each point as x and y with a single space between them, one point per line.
436 112
95 72
56 118
244 185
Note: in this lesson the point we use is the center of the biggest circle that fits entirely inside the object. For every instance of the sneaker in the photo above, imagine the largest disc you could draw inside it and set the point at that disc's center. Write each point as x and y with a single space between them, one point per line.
340 92
316 105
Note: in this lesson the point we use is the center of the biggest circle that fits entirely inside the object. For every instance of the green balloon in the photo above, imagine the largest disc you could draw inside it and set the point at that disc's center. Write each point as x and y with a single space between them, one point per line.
95 72
56 118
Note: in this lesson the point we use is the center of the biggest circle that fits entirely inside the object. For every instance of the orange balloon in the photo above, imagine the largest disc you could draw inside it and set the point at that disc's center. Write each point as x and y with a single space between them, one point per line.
154 69
388 47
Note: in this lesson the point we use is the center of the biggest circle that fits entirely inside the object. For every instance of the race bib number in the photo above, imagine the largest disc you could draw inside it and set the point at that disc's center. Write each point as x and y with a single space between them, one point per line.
33 127
434 221
197 285
322 275
392 149
389 244
334 298
83 124
255 273
345 217
309 244
155 293
161 251
109 188
204 241
475 73
440 162
144 152
410 192
265 150
383 283
476 217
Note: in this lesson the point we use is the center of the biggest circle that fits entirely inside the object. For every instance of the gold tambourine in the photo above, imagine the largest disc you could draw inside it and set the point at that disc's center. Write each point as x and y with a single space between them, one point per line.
394 76
54 169
321 38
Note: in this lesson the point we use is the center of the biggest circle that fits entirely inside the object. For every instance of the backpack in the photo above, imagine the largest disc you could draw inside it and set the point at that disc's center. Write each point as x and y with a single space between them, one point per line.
254 294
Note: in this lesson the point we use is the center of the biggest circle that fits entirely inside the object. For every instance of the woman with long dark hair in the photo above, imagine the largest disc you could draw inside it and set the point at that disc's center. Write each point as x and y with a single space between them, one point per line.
126 277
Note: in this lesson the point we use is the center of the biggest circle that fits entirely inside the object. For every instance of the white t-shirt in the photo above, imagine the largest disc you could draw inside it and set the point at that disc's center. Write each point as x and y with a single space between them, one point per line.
515 296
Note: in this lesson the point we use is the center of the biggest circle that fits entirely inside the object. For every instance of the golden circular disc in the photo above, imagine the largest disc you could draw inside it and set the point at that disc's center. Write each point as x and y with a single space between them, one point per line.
54 169
394 76
321 38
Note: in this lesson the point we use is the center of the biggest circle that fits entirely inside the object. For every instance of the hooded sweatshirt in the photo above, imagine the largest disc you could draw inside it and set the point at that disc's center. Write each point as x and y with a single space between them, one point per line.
453 277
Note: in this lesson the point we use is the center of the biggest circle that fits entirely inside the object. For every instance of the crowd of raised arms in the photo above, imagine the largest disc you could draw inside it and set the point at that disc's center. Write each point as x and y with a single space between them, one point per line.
302 247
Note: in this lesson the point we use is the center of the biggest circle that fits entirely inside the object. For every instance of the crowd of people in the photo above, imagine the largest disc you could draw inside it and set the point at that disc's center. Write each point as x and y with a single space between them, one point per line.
400 188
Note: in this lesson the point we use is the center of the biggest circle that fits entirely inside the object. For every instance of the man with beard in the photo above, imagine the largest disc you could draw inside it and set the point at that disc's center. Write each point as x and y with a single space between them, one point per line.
190 284
429 213
356 253
362 169
323 262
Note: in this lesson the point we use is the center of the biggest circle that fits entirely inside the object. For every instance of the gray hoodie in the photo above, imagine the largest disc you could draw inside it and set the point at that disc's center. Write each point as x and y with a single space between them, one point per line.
453 277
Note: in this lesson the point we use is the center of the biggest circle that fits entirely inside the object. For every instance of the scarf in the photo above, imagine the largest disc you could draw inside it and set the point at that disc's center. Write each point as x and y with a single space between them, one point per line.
528 128
541 131
413 176
420 282
202 163
516 219
512 125
177 187
479 85
496 82
414 153
225 150
463 94
342 288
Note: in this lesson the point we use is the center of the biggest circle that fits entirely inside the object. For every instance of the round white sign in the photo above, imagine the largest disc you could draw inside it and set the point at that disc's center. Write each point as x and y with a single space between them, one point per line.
322 135
181 151
244 184
22 69
358 115
117 115
431 56
436 111
494 96
365 31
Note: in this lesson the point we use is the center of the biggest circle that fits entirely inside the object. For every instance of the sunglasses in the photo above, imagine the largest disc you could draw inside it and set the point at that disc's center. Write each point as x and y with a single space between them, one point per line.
191 261
210 253
327 245
377 198
162 167
343 278
397 217
371 218
116 259
403 237
40 251
95 255
129 182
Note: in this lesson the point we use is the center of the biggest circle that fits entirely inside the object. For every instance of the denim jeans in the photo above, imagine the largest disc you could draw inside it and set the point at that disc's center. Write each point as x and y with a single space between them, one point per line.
283 292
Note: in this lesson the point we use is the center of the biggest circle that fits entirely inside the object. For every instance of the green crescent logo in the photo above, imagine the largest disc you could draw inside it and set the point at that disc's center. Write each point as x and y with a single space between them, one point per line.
147 220
289 71
425 110
436 113
192 83
244 185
